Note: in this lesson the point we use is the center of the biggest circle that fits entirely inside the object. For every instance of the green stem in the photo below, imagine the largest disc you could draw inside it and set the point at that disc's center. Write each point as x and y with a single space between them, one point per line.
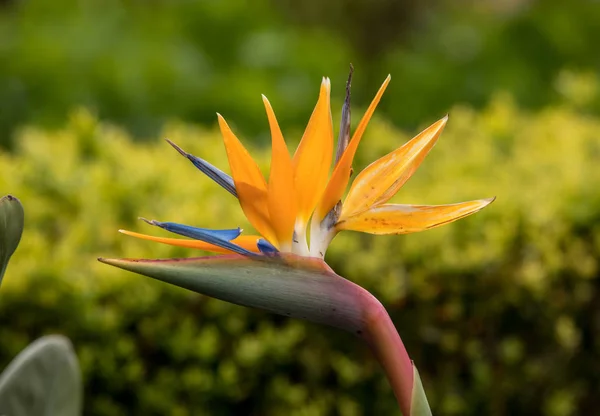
382 337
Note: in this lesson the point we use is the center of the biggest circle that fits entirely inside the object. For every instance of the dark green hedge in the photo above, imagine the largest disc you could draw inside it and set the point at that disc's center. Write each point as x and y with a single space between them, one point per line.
141 63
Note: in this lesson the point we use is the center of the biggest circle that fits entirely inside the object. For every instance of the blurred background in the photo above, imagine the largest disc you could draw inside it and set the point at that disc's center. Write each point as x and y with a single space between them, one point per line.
500 311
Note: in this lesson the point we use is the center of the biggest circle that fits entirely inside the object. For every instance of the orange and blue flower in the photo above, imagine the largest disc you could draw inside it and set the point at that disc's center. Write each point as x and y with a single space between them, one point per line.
301 193
281 270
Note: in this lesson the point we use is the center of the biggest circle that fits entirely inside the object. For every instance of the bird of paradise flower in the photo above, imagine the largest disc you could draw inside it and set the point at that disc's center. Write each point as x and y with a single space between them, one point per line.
282 270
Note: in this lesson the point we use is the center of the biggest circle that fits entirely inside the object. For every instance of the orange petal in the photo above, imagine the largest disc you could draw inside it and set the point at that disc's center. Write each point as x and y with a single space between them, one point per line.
312 160
379 181
280 197
404 219
341 175
245 241
249 182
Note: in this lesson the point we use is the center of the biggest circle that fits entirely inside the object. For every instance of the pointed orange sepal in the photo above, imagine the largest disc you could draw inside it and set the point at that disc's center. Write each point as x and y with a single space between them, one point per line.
379 181
249 182
405 219
280 198
249 242
312 159
341 175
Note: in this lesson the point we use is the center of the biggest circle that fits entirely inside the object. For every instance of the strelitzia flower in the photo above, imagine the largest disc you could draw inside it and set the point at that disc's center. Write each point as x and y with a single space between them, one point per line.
281 270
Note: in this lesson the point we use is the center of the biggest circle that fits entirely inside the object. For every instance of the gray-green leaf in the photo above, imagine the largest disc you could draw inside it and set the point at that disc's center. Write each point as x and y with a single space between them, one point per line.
43 380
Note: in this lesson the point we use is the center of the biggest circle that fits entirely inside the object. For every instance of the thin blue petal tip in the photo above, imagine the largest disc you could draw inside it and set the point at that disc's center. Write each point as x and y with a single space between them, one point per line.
221 238
209 170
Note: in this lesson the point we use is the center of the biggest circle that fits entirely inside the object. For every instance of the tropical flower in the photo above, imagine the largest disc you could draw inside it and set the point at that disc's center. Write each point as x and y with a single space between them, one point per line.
278 270
300 189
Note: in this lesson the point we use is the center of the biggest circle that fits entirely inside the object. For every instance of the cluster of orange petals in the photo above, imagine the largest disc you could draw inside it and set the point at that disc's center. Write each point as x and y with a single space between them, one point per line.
302 188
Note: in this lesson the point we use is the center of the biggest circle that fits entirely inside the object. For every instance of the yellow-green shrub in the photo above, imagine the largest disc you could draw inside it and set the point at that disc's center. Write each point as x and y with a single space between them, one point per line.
497 309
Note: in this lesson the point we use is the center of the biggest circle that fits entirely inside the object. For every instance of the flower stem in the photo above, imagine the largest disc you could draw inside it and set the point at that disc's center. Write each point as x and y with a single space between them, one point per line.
382 337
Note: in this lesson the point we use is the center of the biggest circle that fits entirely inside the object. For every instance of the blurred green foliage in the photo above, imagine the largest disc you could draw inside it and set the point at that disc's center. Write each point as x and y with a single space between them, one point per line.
140 63
500 311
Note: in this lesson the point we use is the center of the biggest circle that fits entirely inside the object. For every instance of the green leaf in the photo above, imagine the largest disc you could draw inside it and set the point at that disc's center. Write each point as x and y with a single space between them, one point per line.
419 405
44 379
11 227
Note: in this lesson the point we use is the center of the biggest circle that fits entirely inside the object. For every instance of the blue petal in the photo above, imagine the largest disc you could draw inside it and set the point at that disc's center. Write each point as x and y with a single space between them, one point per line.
198 233
209 170
266 248
219 238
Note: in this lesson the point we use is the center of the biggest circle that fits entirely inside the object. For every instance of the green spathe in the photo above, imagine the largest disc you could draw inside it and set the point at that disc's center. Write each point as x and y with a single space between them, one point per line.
11 227
274 284
294 286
